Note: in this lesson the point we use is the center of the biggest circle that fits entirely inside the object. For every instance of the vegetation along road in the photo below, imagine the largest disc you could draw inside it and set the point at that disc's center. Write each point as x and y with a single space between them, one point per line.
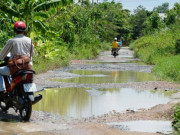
96 97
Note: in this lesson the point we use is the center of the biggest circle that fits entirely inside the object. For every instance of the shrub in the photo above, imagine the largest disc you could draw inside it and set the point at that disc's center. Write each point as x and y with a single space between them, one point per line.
176 120
177 46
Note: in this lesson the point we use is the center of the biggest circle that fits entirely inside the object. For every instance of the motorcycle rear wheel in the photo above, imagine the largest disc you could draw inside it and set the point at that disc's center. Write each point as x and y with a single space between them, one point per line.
3 106
25 112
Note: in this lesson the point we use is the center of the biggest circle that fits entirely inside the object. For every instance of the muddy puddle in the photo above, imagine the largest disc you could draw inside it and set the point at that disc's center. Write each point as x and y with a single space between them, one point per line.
90 76
150 126
82 102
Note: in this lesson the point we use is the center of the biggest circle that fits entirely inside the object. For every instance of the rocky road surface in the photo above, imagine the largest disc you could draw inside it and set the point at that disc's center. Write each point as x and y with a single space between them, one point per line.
44 123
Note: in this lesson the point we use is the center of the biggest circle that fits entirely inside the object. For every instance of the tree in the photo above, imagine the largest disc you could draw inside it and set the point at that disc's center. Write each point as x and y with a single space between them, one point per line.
153 23
162 9
173 15
137 21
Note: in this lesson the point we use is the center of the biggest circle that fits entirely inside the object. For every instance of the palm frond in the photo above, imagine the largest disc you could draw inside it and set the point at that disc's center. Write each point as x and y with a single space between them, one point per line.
8 10
40 26
41 14
46 5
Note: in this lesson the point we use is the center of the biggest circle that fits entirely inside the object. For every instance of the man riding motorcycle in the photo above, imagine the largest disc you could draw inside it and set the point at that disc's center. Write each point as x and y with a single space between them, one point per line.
17 90
19 45
115 45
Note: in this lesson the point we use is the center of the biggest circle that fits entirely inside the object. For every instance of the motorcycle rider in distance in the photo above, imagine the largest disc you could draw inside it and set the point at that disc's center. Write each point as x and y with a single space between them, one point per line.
115 45
19 45
119 42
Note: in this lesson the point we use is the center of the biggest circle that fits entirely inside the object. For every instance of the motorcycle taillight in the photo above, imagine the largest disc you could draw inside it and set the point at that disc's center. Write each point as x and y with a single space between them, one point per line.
28 77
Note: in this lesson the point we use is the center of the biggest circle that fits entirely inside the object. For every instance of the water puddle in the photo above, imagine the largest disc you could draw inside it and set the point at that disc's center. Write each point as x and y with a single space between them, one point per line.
81 102
150 126
88 76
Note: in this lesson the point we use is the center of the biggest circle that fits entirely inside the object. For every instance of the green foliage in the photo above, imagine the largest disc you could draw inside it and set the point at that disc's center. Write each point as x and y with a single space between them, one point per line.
153 23
61 31
173 15
137 21
161 47
168 68
177 46
176 120
41 64
162 44
31 11
162 9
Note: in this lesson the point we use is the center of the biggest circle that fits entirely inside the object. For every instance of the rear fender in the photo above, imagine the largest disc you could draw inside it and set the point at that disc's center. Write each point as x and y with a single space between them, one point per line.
15 81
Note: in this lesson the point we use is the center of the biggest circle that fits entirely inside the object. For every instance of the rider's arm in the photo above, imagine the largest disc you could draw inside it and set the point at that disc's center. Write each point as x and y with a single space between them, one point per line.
6 50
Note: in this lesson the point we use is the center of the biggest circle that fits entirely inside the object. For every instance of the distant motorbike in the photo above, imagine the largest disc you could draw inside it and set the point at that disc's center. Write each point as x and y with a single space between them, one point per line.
20 93
119 47
115 52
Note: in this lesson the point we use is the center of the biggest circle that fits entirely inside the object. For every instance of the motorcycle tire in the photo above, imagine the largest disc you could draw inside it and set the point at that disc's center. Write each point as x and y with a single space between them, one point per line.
114 55
4 107
25 112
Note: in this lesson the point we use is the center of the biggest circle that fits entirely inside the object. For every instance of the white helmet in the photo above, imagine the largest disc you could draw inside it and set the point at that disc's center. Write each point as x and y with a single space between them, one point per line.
115 39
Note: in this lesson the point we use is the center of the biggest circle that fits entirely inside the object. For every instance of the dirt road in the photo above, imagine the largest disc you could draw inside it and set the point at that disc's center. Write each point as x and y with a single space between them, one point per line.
44 123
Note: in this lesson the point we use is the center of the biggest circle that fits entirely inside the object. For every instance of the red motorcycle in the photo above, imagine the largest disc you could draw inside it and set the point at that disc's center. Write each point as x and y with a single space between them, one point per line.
20 93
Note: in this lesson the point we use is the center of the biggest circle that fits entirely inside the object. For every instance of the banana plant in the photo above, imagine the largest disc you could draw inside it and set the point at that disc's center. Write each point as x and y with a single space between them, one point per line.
33 12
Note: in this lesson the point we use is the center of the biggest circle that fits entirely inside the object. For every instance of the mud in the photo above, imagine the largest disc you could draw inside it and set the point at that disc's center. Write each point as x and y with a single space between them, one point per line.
44 123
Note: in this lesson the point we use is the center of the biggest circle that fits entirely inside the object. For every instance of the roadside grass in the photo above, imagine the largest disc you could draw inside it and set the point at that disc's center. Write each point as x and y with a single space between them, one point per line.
89 51
42 64
168 68
105 46
159 49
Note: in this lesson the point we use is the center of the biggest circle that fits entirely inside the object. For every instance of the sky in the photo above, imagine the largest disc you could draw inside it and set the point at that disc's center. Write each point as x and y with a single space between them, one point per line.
148 4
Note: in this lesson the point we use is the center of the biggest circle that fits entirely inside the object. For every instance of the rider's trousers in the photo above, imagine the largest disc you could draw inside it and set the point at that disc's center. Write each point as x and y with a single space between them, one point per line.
3 71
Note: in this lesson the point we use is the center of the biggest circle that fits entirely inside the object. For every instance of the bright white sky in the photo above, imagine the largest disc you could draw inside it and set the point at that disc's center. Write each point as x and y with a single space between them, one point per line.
148 4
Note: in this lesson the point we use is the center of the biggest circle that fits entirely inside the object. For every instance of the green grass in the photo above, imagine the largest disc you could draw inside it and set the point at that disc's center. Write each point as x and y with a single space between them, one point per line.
159 49
168 68
41 65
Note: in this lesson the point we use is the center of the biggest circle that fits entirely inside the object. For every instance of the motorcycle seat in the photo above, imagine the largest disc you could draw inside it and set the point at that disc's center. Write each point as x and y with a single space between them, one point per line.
23 72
